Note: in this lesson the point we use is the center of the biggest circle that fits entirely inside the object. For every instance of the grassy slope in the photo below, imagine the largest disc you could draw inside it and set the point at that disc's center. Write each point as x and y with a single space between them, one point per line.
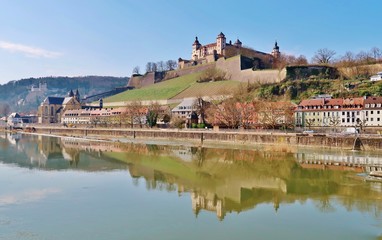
159 91
177 88
209 89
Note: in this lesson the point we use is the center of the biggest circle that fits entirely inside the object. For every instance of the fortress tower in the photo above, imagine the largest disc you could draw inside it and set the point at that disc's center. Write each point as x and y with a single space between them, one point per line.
276 51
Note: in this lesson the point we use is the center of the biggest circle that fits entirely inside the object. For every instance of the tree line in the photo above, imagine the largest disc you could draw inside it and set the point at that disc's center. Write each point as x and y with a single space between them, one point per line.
160 66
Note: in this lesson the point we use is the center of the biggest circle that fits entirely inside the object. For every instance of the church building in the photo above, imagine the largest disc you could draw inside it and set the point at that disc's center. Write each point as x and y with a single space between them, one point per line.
52 108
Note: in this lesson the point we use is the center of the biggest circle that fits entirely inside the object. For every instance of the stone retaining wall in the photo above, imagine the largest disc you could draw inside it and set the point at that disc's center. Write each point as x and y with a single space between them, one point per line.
344 142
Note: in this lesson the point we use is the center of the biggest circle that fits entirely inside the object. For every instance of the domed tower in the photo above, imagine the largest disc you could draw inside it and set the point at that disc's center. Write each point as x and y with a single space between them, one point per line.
238 44
195 49
220 43
276 51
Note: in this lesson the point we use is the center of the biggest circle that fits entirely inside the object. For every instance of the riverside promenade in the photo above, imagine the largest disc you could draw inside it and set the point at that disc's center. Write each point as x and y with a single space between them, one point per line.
369 142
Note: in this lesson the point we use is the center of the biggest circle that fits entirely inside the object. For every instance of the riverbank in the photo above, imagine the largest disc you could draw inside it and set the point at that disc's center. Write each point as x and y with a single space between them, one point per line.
203 137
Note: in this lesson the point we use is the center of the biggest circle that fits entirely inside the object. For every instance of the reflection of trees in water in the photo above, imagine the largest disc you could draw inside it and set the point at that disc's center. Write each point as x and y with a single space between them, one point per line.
229 179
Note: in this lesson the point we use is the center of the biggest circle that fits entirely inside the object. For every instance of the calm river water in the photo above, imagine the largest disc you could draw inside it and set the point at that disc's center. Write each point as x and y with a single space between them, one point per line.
65 188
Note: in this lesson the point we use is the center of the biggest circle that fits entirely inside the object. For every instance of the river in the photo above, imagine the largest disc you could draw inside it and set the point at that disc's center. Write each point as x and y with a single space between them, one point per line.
67 188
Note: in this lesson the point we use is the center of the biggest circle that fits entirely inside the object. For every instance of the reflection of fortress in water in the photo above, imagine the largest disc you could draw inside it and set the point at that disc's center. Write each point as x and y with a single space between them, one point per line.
218 180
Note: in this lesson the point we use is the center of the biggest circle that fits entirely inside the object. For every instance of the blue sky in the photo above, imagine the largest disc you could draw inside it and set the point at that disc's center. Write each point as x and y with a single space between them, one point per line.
110 37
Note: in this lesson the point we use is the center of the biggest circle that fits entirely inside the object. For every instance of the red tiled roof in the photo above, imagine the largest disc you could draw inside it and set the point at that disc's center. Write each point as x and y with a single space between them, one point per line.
311 102
373 100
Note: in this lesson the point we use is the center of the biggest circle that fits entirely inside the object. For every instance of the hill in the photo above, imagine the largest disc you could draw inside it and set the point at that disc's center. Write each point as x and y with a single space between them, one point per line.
291 88
176 88
20 96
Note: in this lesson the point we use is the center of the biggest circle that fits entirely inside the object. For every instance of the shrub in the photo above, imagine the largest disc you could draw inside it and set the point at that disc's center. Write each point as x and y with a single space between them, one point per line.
213 74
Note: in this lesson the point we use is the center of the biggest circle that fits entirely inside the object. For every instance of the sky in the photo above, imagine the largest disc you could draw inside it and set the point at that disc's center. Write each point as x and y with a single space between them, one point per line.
42 38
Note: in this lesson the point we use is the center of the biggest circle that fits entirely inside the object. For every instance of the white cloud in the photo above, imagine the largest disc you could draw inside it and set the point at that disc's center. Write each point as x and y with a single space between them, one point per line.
27 196
28 51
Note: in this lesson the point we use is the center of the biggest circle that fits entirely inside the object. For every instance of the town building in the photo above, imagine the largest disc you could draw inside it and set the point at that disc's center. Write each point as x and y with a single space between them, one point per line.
339 112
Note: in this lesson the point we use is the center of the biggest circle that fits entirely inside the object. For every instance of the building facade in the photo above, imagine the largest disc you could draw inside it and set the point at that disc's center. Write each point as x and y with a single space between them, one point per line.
339 112
52 108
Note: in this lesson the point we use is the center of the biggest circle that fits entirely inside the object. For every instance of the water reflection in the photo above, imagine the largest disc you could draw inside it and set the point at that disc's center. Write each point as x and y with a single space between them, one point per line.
218 180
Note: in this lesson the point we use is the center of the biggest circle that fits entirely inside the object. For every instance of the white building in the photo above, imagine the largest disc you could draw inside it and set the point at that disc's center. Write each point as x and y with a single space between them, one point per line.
14 120
377 77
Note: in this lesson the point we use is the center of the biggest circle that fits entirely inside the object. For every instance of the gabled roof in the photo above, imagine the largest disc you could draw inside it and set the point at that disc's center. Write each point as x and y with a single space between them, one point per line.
373 100
14 115
54 100
66 100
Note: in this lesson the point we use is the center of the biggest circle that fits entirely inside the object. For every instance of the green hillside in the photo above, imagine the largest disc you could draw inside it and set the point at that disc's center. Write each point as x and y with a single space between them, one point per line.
160 91
209 89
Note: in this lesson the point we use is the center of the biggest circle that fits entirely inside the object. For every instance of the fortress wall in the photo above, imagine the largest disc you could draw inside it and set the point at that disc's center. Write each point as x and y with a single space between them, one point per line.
233 67
141 81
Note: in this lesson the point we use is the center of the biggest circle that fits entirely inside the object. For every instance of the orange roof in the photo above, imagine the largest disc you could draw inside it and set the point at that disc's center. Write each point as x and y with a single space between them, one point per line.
312 102
353 101
334 102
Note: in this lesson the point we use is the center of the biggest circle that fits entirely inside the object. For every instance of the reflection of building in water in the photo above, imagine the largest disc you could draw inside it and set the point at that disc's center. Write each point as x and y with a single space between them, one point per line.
91 146
340 161
209 203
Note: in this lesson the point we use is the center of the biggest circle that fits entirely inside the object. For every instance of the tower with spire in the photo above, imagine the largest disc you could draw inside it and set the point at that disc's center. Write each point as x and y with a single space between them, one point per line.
276 51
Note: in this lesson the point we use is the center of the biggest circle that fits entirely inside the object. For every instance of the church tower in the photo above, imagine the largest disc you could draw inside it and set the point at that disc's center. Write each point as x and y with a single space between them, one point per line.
276 51
220 43
77 96
195 49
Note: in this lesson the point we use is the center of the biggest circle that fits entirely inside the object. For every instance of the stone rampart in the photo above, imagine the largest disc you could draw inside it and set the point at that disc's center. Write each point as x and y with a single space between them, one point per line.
233 67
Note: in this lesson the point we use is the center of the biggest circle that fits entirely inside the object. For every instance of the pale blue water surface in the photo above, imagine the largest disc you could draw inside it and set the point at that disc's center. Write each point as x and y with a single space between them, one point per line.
63 188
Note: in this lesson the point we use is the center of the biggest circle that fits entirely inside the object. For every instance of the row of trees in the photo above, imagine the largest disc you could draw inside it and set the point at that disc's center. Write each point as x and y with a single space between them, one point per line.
327 56
160 66
242 110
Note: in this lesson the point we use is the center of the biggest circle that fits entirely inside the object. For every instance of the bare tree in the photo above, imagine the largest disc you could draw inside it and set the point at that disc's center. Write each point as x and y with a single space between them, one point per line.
136 70
200 107
149 67
133 113
275 114
224 113
376 53
364 57
160 66
323 56
5 109
171 65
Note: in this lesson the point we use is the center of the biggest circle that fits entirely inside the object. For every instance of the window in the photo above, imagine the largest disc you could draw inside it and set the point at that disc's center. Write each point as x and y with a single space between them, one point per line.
371 119
371 112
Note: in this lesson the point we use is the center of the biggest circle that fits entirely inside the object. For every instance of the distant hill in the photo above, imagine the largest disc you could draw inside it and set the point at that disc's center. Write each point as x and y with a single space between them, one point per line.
20 96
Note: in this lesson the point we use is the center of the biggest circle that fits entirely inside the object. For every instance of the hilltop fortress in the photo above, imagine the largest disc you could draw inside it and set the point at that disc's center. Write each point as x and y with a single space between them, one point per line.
211 52
239 62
